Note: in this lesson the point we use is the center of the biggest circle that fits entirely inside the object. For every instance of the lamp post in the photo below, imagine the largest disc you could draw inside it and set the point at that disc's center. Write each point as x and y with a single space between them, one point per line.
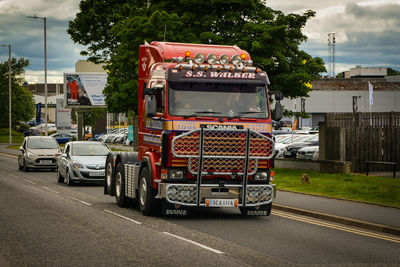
9 92
45 72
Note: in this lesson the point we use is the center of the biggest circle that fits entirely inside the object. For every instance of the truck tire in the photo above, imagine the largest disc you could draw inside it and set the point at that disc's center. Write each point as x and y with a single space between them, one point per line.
109 185
263 210
148 204
120 197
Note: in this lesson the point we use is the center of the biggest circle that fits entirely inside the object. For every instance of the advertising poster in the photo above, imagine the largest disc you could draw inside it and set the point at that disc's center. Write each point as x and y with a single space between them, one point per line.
84 89
63 117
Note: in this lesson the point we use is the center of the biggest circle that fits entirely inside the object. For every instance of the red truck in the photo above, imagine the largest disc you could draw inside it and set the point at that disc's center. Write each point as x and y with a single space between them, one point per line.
204 133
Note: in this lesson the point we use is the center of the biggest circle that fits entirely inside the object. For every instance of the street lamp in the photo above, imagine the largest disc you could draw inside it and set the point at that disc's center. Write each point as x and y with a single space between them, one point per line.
45 72
9 92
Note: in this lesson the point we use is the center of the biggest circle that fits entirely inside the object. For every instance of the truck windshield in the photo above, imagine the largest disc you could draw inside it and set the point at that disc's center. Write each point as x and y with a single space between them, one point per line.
217 100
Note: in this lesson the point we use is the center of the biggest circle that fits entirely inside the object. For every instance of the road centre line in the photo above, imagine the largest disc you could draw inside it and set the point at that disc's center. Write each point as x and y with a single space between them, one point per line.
81 201
337 227
123 217
195 243
29 181
51 190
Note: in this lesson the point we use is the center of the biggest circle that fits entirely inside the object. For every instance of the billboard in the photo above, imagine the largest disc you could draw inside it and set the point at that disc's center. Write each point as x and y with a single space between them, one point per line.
84 89
63 117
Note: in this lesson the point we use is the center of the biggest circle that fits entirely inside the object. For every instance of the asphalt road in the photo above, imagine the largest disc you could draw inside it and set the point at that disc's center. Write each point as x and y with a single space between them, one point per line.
43 223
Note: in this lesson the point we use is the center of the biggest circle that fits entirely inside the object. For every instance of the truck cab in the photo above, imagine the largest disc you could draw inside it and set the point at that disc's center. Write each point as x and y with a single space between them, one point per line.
204 132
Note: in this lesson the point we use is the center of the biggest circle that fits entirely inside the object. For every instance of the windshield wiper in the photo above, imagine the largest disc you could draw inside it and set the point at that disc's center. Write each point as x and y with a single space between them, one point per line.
197 113
240 114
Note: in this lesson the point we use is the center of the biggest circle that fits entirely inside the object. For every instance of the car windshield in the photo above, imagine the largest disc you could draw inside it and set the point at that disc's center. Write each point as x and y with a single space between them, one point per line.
190 99
89 150
42 144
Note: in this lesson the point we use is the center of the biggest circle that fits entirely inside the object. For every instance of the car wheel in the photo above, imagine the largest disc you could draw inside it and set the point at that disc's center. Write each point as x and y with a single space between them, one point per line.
60 178
148 204
19 167
69 181
122 200
24 167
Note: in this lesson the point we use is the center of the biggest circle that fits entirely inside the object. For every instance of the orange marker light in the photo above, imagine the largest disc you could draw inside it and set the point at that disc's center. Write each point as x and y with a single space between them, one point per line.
207 202
272 175
236 203
230 69
180 67
219 68
187 53
243 56
205 68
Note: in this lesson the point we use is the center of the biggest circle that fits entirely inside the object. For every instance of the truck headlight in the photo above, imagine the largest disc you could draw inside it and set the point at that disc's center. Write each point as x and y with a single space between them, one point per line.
261 176
176 174
77 165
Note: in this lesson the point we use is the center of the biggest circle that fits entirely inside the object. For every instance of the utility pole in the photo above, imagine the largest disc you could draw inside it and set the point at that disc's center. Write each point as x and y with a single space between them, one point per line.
9 94
45 71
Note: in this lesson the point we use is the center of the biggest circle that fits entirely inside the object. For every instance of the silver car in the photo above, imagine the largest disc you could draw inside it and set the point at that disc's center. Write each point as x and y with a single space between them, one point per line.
38 152
82 161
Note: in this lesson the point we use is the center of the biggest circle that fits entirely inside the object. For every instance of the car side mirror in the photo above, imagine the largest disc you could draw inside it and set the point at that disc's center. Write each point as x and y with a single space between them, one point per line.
64 155
21 148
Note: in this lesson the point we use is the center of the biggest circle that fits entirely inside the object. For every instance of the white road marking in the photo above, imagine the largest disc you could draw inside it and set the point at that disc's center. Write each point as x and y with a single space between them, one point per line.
195 243
81 201
123 217
29 181
12 175
51 190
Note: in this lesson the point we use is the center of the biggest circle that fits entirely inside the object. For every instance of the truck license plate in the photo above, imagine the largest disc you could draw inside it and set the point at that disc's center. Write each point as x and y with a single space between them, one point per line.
46 161
96 173
220 202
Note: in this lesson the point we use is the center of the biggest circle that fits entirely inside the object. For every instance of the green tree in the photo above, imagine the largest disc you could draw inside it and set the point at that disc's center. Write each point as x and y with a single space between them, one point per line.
392 72
21 98
113 31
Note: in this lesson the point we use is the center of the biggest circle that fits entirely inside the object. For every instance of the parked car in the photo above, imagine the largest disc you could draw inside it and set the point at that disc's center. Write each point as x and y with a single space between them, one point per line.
33 122
291 150
38 152
62 138
82 161
308 153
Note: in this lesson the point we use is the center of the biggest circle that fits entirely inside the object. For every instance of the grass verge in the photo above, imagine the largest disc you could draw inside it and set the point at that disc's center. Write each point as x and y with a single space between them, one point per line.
16 136
373 189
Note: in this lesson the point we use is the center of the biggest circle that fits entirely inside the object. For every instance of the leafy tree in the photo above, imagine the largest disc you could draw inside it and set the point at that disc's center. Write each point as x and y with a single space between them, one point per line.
21 98
113 31
392 72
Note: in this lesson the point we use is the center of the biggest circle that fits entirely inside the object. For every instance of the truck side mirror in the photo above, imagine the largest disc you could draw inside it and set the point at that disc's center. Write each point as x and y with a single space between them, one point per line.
278 112
151 106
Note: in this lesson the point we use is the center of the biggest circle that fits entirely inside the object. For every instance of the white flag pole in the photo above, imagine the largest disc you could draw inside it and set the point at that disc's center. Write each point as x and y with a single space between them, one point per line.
371 101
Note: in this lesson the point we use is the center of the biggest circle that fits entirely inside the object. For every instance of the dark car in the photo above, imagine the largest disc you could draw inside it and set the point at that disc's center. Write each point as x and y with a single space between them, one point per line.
62 138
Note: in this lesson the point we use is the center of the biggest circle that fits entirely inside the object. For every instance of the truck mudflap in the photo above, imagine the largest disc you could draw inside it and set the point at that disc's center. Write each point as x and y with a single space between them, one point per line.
221 152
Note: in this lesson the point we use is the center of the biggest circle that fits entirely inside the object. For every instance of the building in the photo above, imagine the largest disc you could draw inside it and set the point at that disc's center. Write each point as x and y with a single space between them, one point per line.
350 94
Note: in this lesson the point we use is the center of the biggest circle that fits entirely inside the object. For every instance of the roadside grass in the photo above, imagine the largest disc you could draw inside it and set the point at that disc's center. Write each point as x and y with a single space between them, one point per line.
373 189
16 136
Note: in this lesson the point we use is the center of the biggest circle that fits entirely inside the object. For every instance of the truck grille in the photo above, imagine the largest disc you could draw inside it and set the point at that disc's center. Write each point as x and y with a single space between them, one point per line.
224 152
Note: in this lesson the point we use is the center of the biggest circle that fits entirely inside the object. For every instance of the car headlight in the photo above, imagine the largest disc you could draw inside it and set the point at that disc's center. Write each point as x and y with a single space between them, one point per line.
29 154
261 176
77 165
175 174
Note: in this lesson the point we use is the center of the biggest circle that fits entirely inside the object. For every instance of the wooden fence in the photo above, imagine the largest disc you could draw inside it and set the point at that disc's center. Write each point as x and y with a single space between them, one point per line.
360 137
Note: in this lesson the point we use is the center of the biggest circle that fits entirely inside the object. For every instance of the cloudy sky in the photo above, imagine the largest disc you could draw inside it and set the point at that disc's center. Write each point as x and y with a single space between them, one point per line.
367 33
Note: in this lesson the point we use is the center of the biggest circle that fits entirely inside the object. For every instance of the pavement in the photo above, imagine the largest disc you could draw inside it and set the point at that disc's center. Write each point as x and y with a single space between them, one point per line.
374 217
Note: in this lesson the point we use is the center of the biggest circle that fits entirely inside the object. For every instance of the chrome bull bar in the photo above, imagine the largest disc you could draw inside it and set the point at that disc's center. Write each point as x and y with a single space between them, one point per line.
222 152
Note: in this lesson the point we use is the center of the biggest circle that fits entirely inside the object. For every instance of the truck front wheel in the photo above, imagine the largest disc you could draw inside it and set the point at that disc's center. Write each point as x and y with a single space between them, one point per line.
109 183
122 200
148 204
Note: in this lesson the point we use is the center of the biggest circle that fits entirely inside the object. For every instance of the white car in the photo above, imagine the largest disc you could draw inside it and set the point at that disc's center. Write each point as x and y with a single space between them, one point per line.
308 153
